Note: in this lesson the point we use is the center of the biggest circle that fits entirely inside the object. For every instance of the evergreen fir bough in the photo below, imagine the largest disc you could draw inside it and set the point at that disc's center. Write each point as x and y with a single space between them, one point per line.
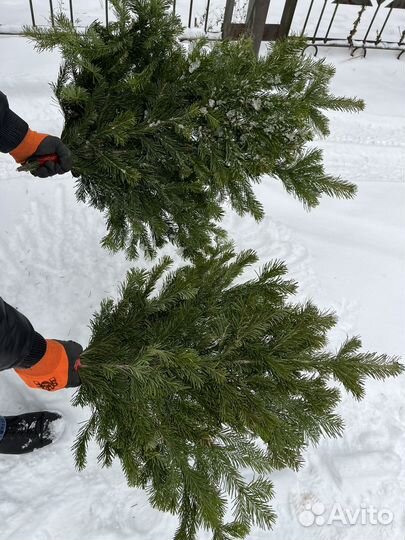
202 384
162 138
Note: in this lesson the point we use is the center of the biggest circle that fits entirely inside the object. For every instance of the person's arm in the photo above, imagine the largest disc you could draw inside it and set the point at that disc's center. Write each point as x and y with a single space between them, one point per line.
25 145
13 129
20 345
47 364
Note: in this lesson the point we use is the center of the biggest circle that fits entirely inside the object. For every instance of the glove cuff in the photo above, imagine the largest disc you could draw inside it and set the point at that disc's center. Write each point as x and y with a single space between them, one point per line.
37 351
51 372
28 146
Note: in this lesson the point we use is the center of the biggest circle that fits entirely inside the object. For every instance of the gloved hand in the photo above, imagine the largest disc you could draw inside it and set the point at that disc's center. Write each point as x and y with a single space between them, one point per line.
36 145
57 369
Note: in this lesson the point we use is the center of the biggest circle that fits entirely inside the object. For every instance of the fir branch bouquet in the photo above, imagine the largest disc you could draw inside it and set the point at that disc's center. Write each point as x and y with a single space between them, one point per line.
202 384
163 137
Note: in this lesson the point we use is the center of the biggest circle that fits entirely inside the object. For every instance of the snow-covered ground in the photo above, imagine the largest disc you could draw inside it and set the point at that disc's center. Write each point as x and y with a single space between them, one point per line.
348 256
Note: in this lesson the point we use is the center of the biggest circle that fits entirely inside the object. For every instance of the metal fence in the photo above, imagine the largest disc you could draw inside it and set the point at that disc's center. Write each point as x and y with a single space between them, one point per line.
357 24
378 24
52 12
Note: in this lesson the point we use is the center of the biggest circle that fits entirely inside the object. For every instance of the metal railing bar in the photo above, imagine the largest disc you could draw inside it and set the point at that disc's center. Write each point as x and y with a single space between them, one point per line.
332 42
356 41
320 19
383 26
190 14
331 22
51 11
371 23
106 12
307 17
207 12
32 13
71 10
341 42
174 7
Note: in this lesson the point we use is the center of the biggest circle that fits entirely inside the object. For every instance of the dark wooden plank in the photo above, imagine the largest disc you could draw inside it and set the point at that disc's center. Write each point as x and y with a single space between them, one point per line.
287 17
227 24
256 21
237 30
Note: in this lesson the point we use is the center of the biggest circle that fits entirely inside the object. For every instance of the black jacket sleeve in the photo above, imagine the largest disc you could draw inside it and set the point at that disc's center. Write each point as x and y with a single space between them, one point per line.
12 128
20 345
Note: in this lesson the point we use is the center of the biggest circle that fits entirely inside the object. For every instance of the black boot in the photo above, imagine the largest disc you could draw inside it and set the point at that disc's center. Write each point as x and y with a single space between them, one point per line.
27 432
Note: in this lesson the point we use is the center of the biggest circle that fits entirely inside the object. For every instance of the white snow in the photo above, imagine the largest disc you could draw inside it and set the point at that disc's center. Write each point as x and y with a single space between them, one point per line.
348 256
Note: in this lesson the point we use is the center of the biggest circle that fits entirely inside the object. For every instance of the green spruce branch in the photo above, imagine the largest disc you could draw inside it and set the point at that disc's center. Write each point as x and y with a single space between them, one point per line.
163 137
199 380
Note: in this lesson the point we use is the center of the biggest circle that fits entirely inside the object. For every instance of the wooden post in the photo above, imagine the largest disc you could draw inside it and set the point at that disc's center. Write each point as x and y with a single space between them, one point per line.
226 25
255 25
287 17
256 21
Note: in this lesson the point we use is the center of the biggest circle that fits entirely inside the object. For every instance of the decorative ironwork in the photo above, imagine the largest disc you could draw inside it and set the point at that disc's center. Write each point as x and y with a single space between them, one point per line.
373 35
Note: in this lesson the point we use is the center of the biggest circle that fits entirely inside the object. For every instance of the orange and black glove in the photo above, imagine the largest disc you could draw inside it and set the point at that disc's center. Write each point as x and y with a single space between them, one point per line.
46 151
57 369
